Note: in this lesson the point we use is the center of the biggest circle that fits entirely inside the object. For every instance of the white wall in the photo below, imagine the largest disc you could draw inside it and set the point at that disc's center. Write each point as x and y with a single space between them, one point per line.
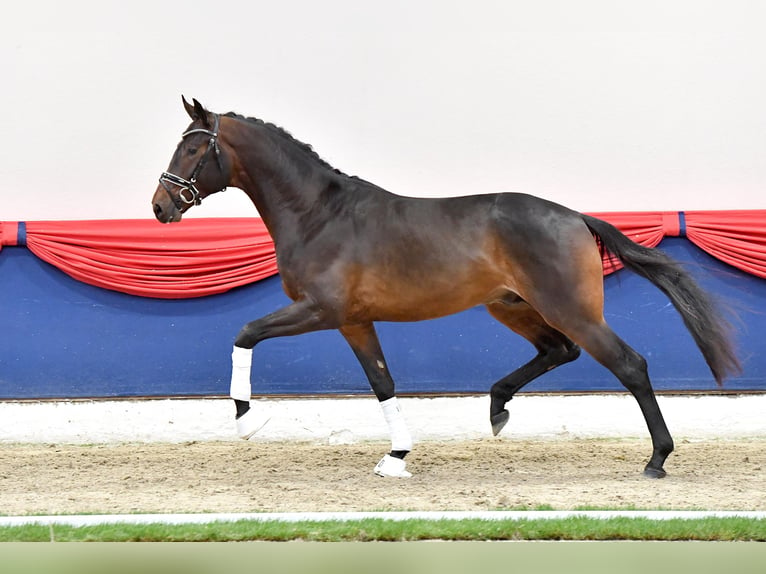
602 105
351 420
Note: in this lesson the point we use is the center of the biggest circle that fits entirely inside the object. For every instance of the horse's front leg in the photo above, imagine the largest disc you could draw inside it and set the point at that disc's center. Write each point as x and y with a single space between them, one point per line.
300 317
364 342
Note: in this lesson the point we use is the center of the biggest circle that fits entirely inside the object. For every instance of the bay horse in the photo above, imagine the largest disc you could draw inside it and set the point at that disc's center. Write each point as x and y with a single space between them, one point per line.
350 253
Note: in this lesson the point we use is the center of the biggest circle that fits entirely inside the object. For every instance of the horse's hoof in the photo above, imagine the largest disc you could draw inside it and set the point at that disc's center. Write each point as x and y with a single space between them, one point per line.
247 425
391 466
654 472
498 421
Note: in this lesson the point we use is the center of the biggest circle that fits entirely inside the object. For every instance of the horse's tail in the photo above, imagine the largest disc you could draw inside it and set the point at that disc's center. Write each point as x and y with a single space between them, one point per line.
700 314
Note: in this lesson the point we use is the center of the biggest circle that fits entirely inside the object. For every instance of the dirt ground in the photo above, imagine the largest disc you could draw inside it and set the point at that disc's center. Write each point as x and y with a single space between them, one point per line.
282 477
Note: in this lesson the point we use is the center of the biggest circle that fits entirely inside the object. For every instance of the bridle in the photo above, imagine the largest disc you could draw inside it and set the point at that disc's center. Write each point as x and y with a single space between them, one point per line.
190 184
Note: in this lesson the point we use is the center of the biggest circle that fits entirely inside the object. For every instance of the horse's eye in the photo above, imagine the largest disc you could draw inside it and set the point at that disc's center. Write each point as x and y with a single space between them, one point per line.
192 151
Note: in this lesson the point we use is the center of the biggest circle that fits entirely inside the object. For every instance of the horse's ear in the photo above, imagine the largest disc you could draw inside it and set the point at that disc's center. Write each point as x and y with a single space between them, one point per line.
202 114
189 108
197 111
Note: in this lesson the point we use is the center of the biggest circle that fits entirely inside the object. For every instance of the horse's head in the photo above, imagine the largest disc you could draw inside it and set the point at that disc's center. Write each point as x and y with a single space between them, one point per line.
198 167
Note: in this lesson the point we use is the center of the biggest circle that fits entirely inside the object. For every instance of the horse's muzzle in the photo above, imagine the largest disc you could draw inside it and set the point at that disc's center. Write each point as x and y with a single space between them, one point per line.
167 213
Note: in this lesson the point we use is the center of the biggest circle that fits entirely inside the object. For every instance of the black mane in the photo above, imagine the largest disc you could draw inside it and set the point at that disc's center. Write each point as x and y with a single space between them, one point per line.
290 138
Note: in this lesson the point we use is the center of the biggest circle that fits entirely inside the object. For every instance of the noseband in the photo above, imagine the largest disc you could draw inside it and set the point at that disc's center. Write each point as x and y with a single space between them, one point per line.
190 184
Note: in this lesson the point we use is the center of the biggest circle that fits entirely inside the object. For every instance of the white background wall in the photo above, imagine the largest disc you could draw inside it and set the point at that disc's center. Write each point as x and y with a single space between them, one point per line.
601 105
351 420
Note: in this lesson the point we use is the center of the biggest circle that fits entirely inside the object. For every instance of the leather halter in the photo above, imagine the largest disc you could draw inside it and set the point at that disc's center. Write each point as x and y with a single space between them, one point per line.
190 184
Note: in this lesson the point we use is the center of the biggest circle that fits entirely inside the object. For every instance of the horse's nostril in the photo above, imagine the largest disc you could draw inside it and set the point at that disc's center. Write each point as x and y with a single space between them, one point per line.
157 209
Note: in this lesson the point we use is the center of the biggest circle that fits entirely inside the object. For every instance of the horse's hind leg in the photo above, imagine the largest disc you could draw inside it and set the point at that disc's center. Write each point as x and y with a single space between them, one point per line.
563 281
630 368
583 323
578 313
364 342
553 349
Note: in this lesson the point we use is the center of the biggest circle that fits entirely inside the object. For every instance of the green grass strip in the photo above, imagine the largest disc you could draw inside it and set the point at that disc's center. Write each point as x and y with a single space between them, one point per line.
575 528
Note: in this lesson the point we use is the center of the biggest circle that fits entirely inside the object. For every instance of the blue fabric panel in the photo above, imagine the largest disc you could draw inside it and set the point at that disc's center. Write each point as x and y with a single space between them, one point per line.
60 338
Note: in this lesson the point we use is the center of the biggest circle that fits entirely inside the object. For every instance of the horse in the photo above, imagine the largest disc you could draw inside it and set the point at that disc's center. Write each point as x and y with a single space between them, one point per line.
351 254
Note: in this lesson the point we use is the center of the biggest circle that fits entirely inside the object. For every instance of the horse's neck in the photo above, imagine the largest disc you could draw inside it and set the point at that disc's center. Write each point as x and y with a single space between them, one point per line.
282 218
283 185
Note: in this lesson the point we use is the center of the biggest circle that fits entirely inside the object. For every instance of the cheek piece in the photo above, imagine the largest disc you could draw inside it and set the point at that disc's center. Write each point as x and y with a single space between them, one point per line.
190 185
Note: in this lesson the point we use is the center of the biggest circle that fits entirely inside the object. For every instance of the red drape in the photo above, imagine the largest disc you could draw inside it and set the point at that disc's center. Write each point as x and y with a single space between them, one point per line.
142 257
207 256
736 237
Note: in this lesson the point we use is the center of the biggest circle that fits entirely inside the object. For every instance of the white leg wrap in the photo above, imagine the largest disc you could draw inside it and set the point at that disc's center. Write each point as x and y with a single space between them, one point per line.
390 466
241 361
400 435
249 424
